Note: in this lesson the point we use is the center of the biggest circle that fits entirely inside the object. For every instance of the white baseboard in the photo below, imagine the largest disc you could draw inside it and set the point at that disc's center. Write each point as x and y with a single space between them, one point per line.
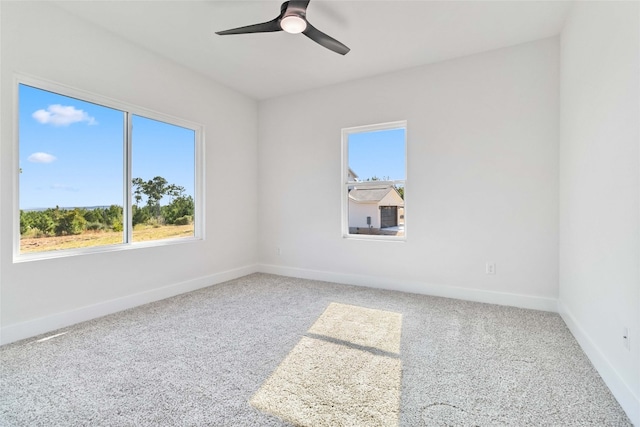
467 294
625 396
31 328
42 325
619 388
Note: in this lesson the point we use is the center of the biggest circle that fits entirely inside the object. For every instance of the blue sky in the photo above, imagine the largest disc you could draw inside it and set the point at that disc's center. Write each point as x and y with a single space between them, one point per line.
71 152
379 153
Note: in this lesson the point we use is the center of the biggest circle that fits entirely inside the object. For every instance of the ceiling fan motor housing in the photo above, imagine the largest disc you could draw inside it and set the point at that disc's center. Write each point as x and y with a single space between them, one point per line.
293 19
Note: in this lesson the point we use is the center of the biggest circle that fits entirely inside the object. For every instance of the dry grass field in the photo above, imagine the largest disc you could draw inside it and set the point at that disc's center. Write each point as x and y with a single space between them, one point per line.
101 238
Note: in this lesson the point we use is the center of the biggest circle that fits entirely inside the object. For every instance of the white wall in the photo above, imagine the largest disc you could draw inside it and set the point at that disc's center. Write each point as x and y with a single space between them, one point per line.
600 190
358 213
482 180
46 42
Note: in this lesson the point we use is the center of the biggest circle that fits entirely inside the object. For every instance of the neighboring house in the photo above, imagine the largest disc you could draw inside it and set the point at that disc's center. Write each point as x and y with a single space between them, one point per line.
352 176
374 208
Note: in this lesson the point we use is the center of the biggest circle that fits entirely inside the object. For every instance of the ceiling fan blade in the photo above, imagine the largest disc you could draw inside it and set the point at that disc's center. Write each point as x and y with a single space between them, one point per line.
321 38
265 27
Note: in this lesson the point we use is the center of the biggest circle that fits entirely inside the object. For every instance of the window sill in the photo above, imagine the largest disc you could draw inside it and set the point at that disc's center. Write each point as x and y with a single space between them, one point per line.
380 238
65 253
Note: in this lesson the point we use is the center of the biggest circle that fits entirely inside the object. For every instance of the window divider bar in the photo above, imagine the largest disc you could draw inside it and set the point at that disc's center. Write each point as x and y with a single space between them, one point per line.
374 183
128 208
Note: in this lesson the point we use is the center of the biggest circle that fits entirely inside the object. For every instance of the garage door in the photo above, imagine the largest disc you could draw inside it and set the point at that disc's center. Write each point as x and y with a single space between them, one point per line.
388 216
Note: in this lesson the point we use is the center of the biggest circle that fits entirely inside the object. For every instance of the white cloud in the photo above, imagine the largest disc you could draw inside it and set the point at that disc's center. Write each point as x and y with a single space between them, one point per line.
41 158
59 115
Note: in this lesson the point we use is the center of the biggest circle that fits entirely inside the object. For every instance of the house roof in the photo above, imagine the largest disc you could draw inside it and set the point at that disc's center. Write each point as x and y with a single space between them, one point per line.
370 194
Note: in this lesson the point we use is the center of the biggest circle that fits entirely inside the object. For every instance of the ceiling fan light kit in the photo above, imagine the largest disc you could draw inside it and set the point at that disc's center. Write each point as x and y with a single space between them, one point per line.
293 24
292 19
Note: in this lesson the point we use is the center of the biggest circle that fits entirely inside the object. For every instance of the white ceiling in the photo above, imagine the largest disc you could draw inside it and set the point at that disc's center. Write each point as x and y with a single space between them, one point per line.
384 36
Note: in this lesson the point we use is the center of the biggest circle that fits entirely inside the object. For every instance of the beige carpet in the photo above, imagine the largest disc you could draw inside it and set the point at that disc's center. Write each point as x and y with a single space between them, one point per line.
266 350
346 371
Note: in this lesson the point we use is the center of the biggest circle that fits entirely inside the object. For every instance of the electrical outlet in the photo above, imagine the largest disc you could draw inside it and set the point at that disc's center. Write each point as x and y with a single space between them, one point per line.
625 338
278 250
490 268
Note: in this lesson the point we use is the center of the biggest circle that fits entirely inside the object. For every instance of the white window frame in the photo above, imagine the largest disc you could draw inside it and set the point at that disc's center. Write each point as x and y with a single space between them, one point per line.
346 132
129 110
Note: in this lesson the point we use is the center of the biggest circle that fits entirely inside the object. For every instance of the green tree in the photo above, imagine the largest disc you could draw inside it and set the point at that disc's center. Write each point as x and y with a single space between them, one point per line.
140 215
43 221
154 190
114 217
69 222
92 215
31 220
376 178
182 206
26 222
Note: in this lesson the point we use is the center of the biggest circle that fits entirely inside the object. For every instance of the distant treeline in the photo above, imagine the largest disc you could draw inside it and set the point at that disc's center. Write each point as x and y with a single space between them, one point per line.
60 221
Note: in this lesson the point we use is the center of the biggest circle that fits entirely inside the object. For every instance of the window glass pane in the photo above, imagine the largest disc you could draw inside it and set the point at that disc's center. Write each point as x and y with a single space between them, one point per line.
71 172
374 207
376 210
377 155
163 180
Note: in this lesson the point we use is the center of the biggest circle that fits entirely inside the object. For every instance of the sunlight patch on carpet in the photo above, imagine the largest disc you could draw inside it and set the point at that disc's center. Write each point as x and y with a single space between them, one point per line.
346 371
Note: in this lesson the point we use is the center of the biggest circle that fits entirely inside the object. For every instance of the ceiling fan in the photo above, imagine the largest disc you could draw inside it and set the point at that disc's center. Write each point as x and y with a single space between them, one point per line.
292 19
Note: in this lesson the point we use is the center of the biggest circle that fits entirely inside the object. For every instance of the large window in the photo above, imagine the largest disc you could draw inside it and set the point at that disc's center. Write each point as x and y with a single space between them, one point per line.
374 181
95 174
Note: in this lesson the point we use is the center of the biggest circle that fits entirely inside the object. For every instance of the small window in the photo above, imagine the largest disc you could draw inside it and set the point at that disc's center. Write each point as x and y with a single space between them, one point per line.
96 176
374 181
